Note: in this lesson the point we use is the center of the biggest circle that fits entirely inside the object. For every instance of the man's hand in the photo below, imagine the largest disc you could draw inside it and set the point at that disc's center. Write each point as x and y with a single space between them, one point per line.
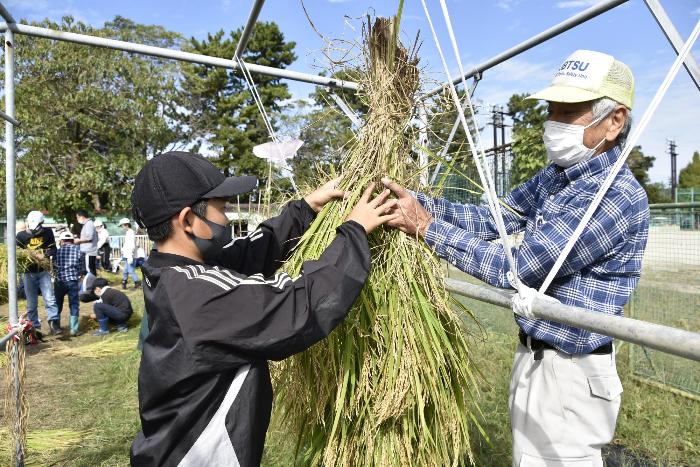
372 214
323 194
412 217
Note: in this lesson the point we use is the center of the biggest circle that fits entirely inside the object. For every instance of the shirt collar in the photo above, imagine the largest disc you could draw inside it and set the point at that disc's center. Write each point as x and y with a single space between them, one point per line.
593 165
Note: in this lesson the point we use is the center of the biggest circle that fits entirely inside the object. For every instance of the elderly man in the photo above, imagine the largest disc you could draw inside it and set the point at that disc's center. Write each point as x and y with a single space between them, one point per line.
564 390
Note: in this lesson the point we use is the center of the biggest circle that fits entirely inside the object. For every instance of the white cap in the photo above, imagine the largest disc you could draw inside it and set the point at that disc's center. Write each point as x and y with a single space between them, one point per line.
124 220
66 235
98 223
34 219
587 75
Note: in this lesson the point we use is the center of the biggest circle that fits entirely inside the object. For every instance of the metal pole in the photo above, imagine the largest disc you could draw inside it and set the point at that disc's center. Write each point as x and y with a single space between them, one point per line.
495 145
554 31
11 227
248 29
671 33
177 55
666 339
6 14
10 177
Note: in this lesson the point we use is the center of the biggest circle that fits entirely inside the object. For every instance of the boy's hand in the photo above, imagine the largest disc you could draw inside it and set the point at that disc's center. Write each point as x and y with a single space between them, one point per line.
372 214
323 194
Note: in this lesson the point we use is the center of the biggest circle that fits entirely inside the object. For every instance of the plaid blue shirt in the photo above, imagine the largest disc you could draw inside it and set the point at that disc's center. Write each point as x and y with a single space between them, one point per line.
68 263
601 270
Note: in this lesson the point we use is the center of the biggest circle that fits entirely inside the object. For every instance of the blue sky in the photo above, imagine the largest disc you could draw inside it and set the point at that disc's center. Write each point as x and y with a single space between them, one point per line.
484 29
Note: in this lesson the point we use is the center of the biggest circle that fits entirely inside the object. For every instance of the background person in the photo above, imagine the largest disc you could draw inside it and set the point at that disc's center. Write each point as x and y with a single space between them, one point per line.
87 242
68 268
41 241
128 254
565 392
112 306
104 251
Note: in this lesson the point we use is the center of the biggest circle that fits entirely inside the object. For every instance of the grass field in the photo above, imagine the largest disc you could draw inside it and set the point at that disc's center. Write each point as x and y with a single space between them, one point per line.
84 411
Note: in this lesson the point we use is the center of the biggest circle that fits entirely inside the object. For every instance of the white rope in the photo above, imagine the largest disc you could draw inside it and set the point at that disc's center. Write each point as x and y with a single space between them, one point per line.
631 142
266 119
486 180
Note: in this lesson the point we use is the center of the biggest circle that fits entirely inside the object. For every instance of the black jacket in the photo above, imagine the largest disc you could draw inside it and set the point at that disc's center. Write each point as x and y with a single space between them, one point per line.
205 394
44 241
117 299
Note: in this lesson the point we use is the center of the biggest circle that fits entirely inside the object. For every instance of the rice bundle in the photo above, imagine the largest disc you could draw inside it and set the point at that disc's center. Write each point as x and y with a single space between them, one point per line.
25 258
390 386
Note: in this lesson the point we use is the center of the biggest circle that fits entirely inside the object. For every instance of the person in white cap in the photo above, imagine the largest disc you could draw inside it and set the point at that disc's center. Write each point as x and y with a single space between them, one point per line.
41 240
128 252
104 250
68 268
564 392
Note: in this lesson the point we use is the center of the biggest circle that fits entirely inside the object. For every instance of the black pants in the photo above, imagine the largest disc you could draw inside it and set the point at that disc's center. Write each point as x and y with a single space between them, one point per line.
89 263
105 251
103 310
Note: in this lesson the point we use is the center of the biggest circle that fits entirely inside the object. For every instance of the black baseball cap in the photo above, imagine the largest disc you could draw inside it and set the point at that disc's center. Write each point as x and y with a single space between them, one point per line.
177 179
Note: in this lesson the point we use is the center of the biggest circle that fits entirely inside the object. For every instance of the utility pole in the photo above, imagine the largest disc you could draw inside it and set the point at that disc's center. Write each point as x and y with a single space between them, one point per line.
674 179
498 121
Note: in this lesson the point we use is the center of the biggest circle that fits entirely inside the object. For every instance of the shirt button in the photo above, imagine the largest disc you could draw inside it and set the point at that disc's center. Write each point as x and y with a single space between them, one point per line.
551 196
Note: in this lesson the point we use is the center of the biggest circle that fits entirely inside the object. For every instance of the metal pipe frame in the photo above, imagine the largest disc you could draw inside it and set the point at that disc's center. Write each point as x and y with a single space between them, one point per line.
10 176
671 33
666 339
554 31
248 29
694 204
176 55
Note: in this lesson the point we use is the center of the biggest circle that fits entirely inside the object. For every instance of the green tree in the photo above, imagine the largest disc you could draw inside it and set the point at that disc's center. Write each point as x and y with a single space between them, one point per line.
640 164
689 177
219 109
529 154
89 117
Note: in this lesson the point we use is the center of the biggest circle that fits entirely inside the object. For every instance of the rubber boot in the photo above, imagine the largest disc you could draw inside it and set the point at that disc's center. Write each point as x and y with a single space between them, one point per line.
137 285
122 327
104 327
74 325
124 284
55 327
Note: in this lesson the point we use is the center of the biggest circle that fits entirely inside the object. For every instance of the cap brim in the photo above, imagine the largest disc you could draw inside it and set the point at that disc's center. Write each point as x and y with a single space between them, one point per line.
232 186
565 94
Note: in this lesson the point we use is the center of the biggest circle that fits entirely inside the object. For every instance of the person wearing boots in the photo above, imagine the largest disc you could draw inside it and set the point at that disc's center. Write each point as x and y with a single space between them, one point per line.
41 240
68 279
128 251
112 306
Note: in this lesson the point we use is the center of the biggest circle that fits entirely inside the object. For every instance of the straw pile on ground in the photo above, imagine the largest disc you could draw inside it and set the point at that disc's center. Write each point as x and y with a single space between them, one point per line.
392 385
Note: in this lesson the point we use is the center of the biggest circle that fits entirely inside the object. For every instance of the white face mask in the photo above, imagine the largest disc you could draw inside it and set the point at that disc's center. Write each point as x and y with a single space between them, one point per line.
564 143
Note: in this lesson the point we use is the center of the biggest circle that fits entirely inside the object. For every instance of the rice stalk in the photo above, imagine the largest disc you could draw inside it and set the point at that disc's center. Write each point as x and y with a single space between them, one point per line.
43 445
106 347
25 258
393 384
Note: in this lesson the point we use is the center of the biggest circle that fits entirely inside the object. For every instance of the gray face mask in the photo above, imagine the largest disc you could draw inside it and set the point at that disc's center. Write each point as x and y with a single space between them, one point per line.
211 248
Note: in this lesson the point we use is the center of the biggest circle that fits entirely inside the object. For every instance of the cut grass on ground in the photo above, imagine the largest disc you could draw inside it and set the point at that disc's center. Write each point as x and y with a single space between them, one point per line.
84 409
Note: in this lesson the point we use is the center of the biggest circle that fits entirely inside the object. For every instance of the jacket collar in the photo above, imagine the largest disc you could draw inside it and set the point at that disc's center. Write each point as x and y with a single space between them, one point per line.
594 165
163 260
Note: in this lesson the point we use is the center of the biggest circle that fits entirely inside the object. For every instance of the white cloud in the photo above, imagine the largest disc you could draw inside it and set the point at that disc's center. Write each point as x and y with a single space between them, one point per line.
507 5
696 12
577 3
37 10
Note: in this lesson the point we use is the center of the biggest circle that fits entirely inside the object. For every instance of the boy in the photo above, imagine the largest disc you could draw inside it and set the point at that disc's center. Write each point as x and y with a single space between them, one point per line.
216 313
67 279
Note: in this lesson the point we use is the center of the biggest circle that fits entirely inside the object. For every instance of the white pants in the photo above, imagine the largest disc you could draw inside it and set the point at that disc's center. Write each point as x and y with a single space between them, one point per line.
563 408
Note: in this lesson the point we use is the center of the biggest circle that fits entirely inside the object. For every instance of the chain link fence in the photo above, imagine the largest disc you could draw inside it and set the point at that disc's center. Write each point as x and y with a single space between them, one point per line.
669 293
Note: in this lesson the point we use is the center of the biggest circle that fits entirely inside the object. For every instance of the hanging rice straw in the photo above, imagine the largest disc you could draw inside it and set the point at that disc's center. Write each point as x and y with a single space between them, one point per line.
393 384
